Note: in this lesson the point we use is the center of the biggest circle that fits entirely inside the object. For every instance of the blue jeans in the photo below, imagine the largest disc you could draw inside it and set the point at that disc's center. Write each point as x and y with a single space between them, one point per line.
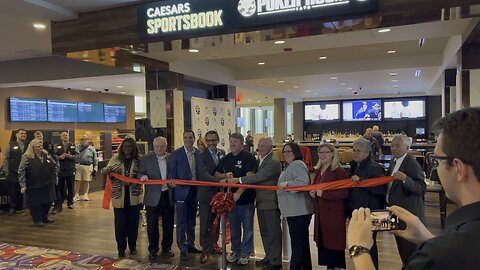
242 216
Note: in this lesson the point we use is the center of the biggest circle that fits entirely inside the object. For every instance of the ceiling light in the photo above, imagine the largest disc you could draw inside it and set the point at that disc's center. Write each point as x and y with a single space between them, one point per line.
384 30
249 100
88 89
334 78
350 88
39 26
308 91
295 86
193 50
417 72
281 81
119 86
392 51
394 80
421 42
322 57
393 74
258 101
278 42
396 86
123 92
343 83
261 63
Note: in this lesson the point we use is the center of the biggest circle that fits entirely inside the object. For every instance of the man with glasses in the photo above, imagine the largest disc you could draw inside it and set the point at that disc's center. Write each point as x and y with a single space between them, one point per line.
408 189
456 154
363 167
207 161
86 167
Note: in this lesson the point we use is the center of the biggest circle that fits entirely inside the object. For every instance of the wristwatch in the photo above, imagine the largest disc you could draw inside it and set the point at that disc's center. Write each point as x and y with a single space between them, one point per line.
356 250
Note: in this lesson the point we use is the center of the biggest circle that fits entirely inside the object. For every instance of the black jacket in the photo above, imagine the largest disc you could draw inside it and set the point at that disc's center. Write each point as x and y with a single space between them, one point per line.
373 197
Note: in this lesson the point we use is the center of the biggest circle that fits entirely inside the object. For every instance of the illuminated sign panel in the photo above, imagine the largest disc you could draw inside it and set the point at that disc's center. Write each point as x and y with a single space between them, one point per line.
176 18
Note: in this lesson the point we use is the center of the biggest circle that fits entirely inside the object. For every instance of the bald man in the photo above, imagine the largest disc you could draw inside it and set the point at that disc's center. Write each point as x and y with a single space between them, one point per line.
86 167
65 152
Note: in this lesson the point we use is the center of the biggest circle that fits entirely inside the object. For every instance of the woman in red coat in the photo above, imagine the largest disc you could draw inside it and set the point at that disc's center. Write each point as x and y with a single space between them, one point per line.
330 230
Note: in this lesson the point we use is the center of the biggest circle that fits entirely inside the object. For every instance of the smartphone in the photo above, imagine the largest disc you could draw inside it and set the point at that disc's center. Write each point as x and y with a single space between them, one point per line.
384 220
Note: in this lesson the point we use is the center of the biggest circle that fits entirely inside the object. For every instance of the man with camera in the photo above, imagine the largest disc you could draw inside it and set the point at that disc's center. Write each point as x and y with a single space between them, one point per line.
456 154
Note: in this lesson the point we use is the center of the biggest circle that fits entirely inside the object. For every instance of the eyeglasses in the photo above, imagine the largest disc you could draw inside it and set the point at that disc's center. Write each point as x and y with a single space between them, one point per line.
324 152
435 160
287 151
211 140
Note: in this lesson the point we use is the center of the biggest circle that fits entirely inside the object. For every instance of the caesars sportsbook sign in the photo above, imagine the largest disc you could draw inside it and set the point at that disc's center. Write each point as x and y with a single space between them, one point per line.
176 18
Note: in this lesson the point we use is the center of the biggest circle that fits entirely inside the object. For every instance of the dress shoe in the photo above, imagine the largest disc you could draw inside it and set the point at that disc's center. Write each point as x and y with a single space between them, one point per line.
57 210
121 254
262 263
273 267
204 258
152 255
39 224
70 206
194 249
12 212
183 256
168 253
48 220
133 251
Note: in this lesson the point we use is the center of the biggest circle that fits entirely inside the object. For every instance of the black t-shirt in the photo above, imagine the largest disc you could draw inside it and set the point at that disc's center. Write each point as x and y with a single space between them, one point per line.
239 165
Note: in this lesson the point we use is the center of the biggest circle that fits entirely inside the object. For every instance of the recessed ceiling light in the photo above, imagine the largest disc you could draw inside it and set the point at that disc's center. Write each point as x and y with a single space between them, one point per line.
308 91
350 88
261 63
39 26
281 81
384 30
342 83
334 78
278 42
193 50
258 101
295 86
393 74
392 51
322 57
417 72
119 86
123 92
249 100
396 86
88 89
394 80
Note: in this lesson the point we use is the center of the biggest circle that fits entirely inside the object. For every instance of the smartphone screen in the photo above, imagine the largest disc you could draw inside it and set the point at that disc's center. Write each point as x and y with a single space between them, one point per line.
383 220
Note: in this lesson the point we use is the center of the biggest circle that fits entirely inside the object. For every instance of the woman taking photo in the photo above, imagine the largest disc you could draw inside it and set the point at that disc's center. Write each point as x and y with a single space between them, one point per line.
329 229
37 175
126 197
296 207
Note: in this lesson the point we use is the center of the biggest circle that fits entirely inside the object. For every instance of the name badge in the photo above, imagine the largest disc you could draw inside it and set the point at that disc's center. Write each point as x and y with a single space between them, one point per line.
15 147
48 160
59 147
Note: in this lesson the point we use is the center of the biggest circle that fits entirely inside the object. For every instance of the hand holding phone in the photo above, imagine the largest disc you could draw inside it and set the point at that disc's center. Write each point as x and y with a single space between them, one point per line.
384 220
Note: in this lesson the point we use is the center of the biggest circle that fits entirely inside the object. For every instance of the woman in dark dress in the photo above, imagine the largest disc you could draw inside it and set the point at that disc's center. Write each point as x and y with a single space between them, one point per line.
37 175
126 197
330 218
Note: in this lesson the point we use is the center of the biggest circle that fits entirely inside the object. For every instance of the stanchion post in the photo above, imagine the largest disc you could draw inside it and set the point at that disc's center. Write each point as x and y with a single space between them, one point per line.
223 230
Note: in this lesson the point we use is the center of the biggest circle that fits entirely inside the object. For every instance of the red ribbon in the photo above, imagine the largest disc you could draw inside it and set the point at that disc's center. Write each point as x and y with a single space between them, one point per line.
340 184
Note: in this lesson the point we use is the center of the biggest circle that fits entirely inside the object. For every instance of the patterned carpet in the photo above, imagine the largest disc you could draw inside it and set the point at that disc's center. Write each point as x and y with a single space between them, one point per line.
27 257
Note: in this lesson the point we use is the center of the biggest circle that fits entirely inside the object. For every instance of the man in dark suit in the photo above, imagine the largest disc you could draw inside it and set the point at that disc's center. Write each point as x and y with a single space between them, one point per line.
408 189
209 160
183 166
267 173
158 199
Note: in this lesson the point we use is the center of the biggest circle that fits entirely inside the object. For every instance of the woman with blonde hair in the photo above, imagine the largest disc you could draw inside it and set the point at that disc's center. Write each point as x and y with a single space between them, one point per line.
330 217
37 175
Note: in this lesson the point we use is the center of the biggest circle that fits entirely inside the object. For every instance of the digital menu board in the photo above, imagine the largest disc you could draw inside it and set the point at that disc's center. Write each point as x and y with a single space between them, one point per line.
90 112
62 111
115 113
28 109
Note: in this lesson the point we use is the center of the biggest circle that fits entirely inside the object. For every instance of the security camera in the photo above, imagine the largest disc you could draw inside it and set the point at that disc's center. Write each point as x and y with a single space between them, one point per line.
355 92
106 89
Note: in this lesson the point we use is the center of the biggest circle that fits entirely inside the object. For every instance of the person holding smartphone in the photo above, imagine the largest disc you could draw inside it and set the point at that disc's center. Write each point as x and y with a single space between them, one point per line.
456 155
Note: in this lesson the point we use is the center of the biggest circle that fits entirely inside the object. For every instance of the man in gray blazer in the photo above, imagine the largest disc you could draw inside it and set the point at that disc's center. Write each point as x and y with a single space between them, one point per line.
267 173
207 161
158 199
408 189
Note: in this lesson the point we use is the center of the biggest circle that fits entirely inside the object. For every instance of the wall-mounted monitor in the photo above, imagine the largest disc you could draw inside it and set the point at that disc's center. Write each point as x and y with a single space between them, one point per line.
90 112
322 112
404 109
115 113
28 109
362 110
62 111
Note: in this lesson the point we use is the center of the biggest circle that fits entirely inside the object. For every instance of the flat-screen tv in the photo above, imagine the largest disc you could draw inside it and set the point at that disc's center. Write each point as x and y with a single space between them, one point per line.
90 112
322 112
115 113
62 111
362 110
28 109
404 109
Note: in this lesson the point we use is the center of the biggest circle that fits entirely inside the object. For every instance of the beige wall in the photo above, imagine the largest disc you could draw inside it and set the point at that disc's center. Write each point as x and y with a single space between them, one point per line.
475 88
6 126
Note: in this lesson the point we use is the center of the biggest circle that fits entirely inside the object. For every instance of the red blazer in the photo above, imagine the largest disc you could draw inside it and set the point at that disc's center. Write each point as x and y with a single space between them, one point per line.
330 216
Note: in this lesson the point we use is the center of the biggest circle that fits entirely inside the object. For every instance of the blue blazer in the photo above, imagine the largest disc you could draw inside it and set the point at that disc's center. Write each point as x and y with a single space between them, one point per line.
180 169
